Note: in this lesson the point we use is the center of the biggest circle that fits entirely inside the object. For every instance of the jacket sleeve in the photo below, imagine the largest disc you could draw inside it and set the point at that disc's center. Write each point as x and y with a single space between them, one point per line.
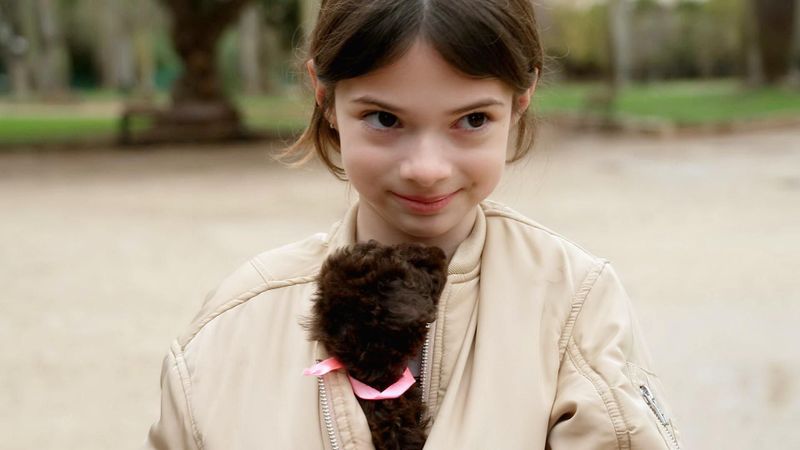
607 395
175 429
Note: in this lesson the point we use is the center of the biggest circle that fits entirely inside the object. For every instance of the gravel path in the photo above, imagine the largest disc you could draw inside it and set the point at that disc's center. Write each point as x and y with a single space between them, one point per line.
106 256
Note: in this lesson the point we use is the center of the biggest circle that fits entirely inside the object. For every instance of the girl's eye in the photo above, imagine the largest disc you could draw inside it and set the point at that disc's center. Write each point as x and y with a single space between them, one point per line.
473 121
381 120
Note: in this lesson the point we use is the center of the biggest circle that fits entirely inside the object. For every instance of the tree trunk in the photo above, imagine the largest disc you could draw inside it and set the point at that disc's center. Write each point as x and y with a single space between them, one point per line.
795 54
271 52
775 22
53 66
145 62
619 29
107 24
29 32
309 9
124 58
200 109
754 68
145 14
13 50
116 51
618 24
18 74
250 38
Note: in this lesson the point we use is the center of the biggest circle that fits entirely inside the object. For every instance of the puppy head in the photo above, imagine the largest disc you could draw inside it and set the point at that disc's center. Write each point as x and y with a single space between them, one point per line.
374 302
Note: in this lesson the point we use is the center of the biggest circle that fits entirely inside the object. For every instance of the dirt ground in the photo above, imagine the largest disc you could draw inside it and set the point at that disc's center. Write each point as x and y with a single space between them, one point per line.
107 255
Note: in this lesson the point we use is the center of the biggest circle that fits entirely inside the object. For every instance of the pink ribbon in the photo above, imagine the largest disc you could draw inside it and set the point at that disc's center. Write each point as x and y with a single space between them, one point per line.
323 367
362 390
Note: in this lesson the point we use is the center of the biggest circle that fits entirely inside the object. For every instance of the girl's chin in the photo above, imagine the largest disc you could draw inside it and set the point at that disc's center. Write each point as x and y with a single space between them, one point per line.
400 225
432 229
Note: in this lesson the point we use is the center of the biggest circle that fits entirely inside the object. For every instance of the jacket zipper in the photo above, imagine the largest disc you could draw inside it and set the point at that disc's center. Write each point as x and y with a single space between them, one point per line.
326 414
423 367
650 399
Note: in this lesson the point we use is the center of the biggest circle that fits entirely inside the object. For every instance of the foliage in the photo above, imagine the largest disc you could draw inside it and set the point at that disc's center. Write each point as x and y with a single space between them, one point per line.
577 41
670 39
775 22
685 38
283 15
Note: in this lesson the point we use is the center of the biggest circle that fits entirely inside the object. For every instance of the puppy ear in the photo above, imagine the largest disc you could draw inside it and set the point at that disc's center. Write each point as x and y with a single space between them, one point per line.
430 260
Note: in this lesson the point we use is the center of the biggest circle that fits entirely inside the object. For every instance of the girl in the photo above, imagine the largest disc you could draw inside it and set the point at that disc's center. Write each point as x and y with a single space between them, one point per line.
420 104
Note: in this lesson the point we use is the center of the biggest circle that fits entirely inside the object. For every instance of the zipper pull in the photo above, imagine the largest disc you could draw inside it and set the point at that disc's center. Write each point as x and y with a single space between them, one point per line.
650 399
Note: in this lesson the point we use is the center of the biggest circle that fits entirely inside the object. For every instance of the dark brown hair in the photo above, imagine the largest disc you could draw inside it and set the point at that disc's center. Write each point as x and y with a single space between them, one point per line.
481 38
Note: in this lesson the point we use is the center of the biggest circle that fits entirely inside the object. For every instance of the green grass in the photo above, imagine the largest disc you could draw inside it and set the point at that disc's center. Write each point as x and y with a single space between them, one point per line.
276 114
684 103
54 129
700 103
568 97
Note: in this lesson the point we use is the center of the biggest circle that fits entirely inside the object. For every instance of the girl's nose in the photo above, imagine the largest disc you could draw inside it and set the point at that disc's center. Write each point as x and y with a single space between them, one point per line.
427 163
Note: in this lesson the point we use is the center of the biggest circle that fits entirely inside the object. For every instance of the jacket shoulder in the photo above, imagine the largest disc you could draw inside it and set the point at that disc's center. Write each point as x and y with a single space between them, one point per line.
529 232
549 259
289 265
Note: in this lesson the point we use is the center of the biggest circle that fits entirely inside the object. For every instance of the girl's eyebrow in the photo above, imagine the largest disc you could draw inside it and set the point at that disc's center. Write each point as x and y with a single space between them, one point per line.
482 103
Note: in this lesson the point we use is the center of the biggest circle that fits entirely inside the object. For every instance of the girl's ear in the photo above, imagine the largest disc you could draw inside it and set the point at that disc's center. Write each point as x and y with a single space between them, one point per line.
524 99
319 90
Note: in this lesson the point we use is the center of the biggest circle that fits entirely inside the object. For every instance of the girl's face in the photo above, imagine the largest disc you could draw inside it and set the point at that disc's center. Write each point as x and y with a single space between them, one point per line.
422 144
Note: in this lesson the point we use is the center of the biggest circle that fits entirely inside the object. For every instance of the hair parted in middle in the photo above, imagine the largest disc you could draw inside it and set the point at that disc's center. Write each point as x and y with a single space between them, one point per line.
480 38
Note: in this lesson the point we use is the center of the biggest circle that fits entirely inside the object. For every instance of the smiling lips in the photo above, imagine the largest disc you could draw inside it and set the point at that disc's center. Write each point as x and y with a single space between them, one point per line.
425 205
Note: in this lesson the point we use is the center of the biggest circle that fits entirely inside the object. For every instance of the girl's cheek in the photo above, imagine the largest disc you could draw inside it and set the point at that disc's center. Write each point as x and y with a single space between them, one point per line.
362 159
494 158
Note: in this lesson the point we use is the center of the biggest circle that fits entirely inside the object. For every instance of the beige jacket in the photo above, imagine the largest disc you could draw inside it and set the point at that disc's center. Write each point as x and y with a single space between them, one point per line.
535 346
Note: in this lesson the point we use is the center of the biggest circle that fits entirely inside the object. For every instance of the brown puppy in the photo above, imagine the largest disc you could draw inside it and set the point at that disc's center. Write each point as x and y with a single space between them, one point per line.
371 312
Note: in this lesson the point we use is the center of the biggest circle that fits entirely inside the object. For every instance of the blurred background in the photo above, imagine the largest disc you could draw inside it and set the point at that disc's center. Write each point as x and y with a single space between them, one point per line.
136 171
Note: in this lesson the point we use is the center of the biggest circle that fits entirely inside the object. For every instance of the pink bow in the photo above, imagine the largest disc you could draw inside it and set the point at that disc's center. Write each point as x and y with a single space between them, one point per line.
362 390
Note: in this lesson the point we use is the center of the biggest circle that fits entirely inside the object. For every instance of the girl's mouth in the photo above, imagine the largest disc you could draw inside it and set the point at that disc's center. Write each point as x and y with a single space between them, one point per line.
426 205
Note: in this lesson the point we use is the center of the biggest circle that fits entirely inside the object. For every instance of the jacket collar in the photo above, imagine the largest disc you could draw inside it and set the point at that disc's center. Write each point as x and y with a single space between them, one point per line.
465 260
351 424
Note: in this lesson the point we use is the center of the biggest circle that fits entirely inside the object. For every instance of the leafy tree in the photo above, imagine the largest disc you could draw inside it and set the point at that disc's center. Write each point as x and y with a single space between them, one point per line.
200 108
12 49
577 39
619 24
197 25
33 47
775 21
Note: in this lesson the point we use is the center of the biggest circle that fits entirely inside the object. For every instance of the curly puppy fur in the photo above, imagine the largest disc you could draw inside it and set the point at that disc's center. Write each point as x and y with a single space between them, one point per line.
371 312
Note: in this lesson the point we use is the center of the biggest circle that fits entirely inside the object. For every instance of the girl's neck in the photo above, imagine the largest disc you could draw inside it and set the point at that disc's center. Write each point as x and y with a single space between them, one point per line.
368 226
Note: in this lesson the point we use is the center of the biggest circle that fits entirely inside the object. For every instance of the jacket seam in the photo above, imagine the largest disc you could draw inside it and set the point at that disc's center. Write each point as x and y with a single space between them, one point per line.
612 406
576 306
240 300
186 386
262 270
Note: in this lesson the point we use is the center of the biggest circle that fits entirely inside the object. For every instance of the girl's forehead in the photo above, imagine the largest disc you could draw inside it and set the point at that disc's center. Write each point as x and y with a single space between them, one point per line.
421 74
